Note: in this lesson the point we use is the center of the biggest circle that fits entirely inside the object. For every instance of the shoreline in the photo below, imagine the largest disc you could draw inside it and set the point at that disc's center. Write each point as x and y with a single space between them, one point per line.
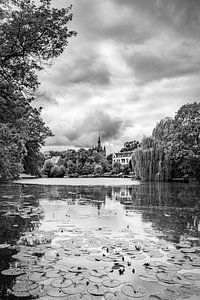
78 181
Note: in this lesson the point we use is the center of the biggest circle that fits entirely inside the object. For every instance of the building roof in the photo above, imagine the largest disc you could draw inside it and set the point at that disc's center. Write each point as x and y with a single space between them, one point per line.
123 154
55 159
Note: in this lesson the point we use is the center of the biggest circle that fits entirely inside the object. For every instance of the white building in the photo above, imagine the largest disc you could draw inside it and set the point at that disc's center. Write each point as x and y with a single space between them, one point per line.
122 157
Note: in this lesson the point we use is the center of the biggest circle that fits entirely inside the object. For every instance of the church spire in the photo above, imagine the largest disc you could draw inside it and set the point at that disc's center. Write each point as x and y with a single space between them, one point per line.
99 140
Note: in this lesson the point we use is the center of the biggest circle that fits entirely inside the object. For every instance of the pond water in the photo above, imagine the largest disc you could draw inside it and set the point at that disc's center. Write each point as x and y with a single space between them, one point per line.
99 239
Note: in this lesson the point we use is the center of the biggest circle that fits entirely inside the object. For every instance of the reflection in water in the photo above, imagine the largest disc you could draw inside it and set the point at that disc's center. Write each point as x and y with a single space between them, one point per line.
170 212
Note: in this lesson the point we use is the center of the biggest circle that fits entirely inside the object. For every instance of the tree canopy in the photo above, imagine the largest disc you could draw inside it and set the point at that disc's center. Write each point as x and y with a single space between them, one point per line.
31 36
176 140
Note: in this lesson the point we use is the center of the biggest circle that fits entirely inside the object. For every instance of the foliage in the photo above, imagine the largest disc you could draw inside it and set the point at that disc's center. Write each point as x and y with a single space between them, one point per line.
11 152
47 167
52 170
130 146
33 160
173 150
70 166
57 171
98 169
150 162
117 168
87 168
185 147
31 35
85 162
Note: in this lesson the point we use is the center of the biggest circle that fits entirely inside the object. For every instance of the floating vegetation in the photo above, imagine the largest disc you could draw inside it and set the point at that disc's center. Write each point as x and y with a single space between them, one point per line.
97 290
133 291
79 257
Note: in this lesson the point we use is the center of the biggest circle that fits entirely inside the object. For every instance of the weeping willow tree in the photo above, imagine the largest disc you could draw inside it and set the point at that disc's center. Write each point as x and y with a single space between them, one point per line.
150 162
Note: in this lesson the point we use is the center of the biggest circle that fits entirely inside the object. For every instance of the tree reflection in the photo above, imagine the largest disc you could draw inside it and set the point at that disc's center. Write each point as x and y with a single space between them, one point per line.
173 209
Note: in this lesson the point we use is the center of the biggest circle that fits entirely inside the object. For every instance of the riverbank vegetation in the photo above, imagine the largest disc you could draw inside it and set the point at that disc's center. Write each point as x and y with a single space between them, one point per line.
80 162
31 36
173 149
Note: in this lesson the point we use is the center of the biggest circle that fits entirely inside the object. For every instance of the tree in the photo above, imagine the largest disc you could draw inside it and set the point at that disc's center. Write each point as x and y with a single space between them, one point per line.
31 35
98 169
150 162
82 156
47 167
57 171
12 150
33 160
117 168
87 169
70 167
185 147
130 146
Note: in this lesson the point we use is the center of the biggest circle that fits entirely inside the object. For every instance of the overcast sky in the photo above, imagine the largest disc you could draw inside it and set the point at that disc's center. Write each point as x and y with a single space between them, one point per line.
132 63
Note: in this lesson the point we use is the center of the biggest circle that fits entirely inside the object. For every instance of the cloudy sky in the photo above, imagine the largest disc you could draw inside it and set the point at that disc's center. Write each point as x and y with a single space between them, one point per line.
132 63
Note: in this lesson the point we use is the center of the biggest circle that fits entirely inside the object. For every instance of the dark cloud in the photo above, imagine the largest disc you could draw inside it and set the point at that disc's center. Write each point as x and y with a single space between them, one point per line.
110 77
90 72
84 132
180 15
83 68
154 66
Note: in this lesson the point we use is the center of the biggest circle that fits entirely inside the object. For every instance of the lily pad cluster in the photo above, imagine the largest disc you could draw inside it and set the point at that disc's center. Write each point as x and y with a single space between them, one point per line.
70 262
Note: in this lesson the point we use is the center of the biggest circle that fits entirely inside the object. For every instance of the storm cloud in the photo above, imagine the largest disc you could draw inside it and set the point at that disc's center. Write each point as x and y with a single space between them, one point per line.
132 63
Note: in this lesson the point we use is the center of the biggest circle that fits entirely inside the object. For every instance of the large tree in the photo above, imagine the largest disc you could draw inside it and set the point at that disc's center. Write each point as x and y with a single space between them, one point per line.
185 140
31 35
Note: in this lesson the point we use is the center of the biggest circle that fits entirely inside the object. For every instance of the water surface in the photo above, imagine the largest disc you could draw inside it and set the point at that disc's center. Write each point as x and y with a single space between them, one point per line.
93 234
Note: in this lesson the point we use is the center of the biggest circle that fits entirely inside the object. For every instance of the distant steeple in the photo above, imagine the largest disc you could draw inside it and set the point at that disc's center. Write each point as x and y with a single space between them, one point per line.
99 141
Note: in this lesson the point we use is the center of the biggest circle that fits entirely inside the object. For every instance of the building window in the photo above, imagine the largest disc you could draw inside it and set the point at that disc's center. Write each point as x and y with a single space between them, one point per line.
123 160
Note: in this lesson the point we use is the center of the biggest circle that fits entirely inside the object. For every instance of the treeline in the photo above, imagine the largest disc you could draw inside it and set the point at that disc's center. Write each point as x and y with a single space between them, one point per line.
76 163
173 149
31 35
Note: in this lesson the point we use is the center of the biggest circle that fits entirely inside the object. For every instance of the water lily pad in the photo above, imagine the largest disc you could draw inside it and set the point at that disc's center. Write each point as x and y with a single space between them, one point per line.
77 269
192 275
148 277
188 250
111 283
74 289
53 292
24 286
35 276
21 294
97 290
133 291
61 283
166 277
74 276
178 278
98 280
37 292
13 272
53 274
98 273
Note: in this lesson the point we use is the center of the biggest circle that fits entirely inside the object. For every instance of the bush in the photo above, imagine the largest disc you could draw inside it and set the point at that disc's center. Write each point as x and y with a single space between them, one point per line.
57 171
